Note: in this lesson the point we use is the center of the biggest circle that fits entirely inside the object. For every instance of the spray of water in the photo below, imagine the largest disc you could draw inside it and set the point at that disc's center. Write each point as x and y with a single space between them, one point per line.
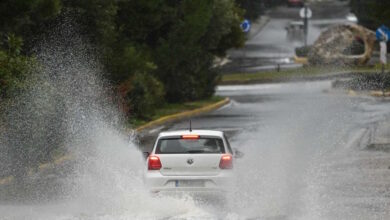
69 109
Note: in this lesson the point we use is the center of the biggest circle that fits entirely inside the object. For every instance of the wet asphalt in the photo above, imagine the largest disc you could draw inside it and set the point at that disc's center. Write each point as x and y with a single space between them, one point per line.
274 45
308 154
305 147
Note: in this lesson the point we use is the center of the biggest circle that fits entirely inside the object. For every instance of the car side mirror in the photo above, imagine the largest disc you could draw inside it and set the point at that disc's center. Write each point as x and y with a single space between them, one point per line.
238 154
146 155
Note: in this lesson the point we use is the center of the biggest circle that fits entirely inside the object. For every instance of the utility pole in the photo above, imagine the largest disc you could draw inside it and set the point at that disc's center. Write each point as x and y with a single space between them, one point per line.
382 35
305 25
383 59
305 13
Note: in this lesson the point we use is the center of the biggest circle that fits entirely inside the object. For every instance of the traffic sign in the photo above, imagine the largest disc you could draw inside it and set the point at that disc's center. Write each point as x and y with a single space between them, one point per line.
383 52
308 13
382 33
305 13
246 26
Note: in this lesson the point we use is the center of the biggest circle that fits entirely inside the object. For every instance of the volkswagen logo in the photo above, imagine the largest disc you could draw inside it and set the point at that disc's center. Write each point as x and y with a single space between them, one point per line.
190 161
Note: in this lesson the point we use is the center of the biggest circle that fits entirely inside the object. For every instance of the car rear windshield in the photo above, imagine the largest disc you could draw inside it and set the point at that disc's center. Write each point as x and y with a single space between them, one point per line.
203 145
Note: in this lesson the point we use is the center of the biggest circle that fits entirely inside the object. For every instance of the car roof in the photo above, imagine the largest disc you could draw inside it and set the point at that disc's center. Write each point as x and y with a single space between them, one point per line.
187 132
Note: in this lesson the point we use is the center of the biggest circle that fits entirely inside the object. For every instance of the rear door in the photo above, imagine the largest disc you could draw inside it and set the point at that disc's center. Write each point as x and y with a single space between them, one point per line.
190 164
190 155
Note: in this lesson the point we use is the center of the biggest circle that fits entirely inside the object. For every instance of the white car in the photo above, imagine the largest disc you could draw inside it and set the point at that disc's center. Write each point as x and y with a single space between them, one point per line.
192 161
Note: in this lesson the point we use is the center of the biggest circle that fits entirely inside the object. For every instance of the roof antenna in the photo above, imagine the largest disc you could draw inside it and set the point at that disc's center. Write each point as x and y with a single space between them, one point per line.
190 126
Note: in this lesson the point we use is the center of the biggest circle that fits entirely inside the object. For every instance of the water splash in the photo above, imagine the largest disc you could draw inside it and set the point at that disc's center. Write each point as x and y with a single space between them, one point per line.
69 109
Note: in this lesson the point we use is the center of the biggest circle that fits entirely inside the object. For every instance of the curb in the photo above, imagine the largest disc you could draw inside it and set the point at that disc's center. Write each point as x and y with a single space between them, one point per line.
6 180
352 92
377 93
373 93
301 60
182 115
165 119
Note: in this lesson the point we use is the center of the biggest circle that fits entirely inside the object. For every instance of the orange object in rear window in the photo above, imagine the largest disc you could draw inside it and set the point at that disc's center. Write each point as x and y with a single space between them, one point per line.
190 136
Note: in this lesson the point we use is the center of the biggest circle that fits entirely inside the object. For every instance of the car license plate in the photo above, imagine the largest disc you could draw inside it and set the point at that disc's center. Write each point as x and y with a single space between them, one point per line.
189 183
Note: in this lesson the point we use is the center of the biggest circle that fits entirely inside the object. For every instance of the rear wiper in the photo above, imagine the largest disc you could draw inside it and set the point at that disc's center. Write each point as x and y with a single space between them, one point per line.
195 151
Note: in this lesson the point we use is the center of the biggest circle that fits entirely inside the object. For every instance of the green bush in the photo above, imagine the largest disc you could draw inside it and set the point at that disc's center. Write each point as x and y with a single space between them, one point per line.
141 95
14 67
302 51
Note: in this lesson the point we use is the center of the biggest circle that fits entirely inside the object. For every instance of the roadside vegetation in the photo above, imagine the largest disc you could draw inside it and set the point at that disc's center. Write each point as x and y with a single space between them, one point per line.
153 52
173 108
302 73
371 14
255 8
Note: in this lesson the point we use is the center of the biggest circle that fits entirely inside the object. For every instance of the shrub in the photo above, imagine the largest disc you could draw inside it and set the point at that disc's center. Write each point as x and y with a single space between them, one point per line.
141 94
14 67
302 51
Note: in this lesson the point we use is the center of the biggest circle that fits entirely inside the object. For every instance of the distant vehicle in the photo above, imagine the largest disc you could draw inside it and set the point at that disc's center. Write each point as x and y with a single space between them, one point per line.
351 17
190 161
295 31
295 3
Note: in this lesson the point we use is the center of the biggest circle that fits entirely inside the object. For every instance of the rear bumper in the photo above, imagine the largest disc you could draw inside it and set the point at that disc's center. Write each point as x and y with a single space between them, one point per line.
189 191
220 183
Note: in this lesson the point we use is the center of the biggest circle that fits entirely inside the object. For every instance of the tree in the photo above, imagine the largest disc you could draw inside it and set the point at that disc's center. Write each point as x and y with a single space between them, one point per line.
253 8
371 14
185 56
14 67
23 17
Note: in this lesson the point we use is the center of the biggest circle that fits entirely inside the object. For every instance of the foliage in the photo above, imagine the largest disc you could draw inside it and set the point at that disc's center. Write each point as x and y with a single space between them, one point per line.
14 68
255 8
372 13
302 51
142 94
168 40
23 17
204 29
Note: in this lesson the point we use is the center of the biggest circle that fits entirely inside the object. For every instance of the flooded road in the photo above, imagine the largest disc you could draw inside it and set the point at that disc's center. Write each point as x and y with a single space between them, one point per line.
305 151
305 158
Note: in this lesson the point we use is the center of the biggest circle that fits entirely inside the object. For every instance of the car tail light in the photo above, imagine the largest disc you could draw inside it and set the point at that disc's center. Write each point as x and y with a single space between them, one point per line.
226 162
154 163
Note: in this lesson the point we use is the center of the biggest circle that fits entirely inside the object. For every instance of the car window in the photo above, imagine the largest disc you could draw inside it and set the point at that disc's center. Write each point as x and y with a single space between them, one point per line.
188 146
